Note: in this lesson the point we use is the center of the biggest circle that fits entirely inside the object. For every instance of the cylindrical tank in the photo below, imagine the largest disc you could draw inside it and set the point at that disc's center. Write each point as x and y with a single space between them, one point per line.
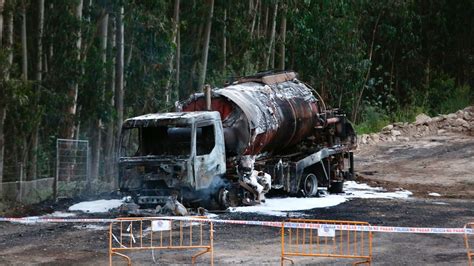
262 114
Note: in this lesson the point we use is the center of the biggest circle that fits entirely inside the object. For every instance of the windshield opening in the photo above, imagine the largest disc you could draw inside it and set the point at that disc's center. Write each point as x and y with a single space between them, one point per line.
162 140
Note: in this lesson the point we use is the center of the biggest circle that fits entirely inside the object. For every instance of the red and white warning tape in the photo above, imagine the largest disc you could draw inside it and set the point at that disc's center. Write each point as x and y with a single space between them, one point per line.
364 228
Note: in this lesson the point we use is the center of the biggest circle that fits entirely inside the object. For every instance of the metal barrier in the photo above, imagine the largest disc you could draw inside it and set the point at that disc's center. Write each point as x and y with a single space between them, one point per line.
323 238
468 238
139 234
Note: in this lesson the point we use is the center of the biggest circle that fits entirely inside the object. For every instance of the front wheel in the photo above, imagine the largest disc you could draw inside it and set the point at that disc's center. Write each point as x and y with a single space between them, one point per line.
310 185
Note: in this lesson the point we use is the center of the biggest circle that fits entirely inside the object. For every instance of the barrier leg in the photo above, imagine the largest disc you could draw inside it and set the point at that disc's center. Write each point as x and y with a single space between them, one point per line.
283 260
212 244
468 249
110 244
129 261
193 258
362 262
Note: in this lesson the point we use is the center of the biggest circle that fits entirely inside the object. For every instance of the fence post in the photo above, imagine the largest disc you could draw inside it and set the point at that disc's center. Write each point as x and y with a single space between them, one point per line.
55 182
20 190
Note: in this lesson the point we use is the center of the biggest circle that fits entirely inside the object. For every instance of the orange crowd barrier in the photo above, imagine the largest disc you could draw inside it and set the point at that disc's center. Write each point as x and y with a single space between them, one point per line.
468 240
326 241
140 234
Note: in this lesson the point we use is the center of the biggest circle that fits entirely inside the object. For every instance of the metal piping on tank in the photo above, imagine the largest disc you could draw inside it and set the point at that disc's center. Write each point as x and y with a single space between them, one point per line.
207 95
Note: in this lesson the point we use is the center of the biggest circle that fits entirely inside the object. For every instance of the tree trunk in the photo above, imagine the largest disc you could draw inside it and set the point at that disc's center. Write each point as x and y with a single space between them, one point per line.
283 38
171 58
254 17
50 49
3 103
74 87
3 113
24 45
265 24
9 44
32 169
110 137
97 125
272 37
197 47
259 15
119 63
3 110
355 109
2 4
39 42
205 50
224 43
178 62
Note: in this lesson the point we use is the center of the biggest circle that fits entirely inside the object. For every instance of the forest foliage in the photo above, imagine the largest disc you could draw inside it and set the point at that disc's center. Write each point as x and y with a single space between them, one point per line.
76 69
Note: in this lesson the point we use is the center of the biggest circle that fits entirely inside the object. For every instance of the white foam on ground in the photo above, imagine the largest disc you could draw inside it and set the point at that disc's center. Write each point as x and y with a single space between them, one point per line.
56 214
59 214
96 206
434 194
280 206
92 227
212 216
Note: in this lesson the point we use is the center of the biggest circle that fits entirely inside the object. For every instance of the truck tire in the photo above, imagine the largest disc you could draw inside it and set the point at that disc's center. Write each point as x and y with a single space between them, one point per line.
310 185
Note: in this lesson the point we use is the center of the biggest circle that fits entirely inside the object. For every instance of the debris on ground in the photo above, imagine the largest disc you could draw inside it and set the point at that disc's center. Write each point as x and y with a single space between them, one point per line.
461 122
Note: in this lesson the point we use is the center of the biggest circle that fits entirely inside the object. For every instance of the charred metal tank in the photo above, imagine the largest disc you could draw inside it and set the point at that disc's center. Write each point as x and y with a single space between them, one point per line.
263 113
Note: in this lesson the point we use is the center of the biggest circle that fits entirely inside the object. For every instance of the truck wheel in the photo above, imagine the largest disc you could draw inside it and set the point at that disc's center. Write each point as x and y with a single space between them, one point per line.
310 185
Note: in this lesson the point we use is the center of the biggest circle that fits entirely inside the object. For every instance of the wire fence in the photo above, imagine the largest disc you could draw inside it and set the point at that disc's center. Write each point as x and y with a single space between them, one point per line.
72 168
63 174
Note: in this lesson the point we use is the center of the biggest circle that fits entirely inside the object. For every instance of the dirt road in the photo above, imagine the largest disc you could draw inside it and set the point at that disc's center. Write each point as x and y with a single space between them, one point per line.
441 164
60 244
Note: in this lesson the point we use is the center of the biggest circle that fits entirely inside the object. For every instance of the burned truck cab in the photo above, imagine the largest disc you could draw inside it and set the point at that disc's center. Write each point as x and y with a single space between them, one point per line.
178 154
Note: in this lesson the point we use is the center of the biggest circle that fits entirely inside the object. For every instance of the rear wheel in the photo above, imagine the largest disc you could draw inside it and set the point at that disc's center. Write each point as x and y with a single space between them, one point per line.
310 185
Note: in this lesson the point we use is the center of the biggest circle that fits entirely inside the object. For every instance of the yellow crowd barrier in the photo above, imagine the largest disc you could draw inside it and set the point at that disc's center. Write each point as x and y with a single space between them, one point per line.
468 240
326 241
140 234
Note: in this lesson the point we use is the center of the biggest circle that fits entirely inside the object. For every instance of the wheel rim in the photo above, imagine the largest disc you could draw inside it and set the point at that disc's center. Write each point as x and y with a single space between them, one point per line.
310 185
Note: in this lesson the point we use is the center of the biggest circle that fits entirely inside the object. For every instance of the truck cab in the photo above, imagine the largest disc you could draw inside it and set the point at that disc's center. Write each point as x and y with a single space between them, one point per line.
178 154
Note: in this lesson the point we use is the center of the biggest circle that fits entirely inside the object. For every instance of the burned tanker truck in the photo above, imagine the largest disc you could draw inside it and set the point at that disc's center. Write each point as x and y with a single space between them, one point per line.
229 146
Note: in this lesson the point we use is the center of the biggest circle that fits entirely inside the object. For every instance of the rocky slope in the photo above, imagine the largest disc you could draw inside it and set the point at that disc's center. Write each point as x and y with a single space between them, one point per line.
462 122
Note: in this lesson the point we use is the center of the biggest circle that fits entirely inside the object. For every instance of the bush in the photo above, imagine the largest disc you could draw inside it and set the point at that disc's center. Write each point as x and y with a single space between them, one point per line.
373 120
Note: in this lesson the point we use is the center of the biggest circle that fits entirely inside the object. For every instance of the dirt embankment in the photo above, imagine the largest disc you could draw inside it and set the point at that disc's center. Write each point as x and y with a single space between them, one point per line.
431 155
460 122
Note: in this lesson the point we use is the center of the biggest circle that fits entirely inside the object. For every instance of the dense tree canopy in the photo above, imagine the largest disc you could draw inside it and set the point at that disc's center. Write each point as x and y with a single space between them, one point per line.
75 69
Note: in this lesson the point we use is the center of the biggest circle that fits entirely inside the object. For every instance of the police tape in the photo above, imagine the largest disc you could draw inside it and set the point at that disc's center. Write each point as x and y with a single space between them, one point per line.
341 227
29 220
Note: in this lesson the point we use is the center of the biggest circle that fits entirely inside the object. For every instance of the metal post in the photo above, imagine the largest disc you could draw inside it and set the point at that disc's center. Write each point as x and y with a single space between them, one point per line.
20 192
207 93
56 178
88 174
